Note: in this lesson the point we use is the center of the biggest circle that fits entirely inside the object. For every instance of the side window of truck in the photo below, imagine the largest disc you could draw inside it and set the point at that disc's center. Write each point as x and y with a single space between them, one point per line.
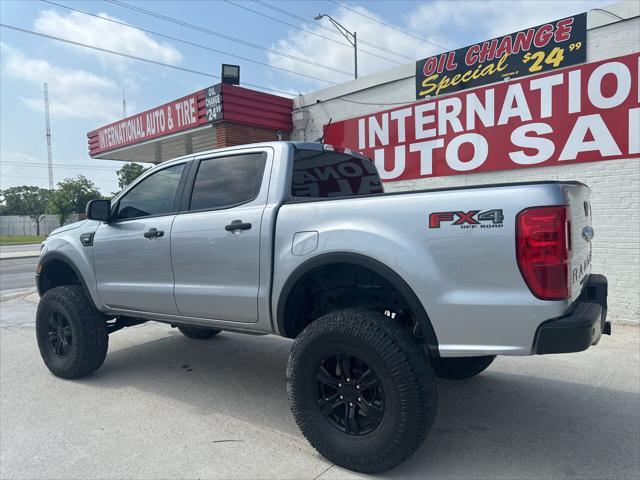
153 196
224 182
325 174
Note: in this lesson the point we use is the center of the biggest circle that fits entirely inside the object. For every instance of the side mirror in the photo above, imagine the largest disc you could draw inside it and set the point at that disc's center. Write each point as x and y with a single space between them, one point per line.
99 210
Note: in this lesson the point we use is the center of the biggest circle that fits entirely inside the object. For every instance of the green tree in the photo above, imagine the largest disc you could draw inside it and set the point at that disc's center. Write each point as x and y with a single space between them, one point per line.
26 200
61 204
129 172
72 196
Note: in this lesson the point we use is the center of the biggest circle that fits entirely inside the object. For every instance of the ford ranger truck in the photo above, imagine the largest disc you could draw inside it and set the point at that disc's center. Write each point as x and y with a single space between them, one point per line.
380 293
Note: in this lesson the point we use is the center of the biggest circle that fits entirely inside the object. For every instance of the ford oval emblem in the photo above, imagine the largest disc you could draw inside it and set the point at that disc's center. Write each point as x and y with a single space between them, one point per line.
587 233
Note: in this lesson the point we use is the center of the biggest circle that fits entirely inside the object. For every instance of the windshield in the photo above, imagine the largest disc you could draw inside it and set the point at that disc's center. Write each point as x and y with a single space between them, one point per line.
331 174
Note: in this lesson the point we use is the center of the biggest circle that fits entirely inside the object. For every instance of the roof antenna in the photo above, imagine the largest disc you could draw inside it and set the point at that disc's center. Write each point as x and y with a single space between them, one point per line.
321 139
124 105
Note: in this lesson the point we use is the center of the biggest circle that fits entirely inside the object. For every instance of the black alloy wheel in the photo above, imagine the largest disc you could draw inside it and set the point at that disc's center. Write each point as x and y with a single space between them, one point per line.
361 389
349 394
71 333
60 334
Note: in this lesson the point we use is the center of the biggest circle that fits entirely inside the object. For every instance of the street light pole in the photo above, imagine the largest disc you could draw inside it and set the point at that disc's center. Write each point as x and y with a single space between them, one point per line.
351 37
355 55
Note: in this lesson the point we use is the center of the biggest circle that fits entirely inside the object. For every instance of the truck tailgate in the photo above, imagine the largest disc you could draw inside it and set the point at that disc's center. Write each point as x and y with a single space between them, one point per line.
581 234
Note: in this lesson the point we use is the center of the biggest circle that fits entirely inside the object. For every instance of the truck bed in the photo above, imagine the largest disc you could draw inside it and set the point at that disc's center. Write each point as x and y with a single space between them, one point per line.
466 275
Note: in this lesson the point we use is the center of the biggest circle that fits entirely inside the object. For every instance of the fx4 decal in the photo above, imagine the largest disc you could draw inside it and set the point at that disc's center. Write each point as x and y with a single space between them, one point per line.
470 219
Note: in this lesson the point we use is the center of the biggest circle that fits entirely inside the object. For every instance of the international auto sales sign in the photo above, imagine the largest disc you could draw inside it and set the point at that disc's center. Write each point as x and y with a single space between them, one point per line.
550 46
582 114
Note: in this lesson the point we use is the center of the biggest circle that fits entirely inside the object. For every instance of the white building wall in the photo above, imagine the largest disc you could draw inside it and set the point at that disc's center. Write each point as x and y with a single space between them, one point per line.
615 184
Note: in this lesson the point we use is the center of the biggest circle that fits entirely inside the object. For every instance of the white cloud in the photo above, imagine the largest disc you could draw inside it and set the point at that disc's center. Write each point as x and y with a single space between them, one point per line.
73 93
492 18
452 24
108 35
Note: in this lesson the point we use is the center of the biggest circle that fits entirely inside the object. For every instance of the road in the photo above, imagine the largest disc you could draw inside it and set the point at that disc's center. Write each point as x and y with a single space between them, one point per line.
17 273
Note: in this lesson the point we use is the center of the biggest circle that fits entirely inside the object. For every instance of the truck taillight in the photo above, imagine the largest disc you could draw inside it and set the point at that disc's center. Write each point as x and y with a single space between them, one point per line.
543 246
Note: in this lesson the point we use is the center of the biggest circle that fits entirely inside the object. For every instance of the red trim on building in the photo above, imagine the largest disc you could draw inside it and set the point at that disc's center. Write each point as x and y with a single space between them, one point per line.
232 134
246 116
248 107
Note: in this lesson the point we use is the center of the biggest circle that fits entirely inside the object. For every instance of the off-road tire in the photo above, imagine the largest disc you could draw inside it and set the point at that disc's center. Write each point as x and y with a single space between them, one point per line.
199 333
461 368
89 338
403 370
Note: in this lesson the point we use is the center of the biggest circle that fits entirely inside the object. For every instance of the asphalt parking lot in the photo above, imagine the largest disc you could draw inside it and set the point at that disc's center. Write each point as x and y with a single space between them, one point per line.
165 406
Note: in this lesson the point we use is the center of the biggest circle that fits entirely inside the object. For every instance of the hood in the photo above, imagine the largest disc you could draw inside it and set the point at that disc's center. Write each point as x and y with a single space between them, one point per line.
70 226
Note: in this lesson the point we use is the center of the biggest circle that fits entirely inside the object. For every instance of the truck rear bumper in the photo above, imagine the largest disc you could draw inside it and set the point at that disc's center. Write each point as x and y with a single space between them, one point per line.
581 327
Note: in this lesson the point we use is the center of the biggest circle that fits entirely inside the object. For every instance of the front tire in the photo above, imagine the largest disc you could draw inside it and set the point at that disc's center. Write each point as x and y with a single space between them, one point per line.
72 334
199 333
361 390
461 368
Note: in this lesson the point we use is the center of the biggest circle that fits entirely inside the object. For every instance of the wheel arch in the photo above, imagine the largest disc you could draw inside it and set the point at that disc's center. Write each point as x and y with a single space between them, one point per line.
368 263
65 272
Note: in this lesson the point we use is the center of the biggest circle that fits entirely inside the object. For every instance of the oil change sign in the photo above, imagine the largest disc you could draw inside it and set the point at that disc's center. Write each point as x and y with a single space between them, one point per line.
582 114
553 45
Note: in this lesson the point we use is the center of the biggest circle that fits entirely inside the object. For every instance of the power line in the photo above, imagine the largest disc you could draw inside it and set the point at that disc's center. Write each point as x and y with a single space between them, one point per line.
226 37
62 165
305 20
133 57
379 104
388 25
186 42
293 15
325 37
322 36
610 13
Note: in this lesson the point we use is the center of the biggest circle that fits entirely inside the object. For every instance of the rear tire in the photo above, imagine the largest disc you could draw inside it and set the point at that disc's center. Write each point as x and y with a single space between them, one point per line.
461 368
72 334
389 391
199 333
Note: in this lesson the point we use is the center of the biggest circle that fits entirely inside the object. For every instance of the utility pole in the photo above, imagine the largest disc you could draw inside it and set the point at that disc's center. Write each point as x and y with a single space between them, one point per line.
48 127
124 105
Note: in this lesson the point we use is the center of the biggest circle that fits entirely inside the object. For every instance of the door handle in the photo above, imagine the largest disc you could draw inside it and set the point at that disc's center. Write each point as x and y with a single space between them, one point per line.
237 225
153 232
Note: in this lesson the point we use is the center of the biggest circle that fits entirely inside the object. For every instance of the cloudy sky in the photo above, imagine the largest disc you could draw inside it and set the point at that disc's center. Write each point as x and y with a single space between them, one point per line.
277 43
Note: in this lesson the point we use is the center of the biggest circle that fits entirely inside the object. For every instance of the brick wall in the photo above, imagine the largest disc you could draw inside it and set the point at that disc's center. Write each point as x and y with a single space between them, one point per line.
230 134
615 184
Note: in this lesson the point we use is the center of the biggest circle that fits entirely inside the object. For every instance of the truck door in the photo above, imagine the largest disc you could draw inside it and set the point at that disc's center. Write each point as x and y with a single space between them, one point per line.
132 252
215 240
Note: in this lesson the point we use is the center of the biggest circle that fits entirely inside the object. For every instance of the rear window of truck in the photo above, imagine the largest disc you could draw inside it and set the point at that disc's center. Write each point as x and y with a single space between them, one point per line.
329 174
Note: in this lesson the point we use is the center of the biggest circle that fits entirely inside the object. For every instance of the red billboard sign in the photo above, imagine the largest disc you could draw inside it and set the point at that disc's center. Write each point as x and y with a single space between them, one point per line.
182 114
583 114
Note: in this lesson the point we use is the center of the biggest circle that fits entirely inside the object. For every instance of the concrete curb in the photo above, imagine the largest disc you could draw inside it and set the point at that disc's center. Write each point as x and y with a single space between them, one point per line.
27 250
22 293
17 257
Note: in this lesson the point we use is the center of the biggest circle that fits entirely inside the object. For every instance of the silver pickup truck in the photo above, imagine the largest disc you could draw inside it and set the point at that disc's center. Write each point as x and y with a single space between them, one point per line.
380 292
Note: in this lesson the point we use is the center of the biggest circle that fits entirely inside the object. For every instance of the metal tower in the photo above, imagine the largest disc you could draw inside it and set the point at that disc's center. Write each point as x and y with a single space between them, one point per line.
124 105
48 124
